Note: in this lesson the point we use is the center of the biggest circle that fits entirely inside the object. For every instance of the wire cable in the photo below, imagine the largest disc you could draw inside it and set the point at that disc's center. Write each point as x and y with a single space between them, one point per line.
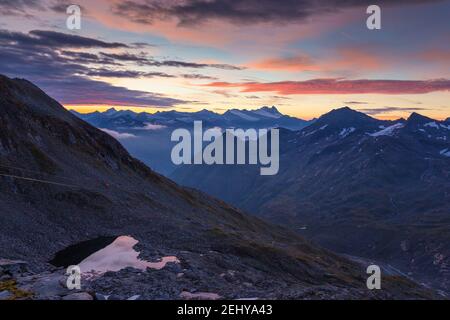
38 180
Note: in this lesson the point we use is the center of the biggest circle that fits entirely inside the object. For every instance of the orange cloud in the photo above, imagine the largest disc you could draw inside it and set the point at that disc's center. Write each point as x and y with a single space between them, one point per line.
291 64
341 86
219 33
355 59
342 60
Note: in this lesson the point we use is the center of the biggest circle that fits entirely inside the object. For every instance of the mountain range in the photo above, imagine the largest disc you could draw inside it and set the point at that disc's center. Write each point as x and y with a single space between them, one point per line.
64 181
356 185
265 117
148 136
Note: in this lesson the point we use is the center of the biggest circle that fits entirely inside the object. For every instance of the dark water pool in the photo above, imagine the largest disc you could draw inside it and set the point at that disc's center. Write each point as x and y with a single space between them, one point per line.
104 254
74 254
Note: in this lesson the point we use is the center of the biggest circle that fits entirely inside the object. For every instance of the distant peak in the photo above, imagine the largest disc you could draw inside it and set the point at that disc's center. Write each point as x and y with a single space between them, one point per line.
271 109
205 111
111 111
345 111
345 116
418 118
415 115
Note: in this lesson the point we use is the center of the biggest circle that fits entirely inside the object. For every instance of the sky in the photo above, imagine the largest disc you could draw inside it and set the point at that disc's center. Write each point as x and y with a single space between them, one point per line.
304 56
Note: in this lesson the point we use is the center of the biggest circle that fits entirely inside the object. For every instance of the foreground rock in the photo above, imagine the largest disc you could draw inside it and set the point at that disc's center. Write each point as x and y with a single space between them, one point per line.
192 283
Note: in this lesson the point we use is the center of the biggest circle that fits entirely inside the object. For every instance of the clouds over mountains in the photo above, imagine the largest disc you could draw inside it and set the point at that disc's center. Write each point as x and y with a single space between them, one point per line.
38 56
168 51
55 61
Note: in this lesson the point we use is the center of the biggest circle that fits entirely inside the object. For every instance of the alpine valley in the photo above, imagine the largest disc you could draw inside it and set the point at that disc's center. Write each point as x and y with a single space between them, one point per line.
356 185
69 190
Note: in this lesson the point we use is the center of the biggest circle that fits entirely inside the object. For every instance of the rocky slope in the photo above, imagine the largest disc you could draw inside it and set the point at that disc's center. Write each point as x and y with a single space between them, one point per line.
64 181
356 185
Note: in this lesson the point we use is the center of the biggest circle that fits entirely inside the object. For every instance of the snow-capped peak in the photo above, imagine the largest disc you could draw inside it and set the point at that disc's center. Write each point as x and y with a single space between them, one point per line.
268 112
242 115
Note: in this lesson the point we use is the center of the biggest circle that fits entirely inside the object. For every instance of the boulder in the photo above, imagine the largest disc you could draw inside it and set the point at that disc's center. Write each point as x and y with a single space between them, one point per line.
13 267
78 296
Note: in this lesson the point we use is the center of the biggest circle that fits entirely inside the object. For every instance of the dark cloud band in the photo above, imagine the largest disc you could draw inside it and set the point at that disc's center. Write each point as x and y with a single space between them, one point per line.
190 12
377 111
62 74
18 7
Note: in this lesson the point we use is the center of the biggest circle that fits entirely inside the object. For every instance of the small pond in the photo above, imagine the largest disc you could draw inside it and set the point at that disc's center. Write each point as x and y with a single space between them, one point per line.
104 254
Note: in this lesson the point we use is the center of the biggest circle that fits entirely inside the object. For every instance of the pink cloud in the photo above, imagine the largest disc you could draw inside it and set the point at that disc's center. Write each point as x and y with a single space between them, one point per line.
351 58
341 86
291 64
220 33
346 59
436 56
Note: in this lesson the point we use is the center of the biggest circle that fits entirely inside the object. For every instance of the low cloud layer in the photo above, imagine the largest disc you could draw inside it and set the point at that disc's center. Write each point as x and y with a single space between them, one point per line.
152 127
118 135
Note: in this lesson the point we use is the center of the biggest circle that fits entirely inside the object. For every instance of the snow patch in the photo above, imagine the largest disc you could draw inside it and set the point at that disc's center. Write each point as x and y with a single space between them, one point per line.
389 131
243 115
445 152
266 114
432 125
346 131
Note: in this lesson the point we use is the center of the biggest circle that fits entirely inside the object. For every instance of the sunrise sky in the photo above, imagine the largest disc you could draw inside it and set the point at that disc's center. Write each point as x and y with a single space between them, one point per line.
304 56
